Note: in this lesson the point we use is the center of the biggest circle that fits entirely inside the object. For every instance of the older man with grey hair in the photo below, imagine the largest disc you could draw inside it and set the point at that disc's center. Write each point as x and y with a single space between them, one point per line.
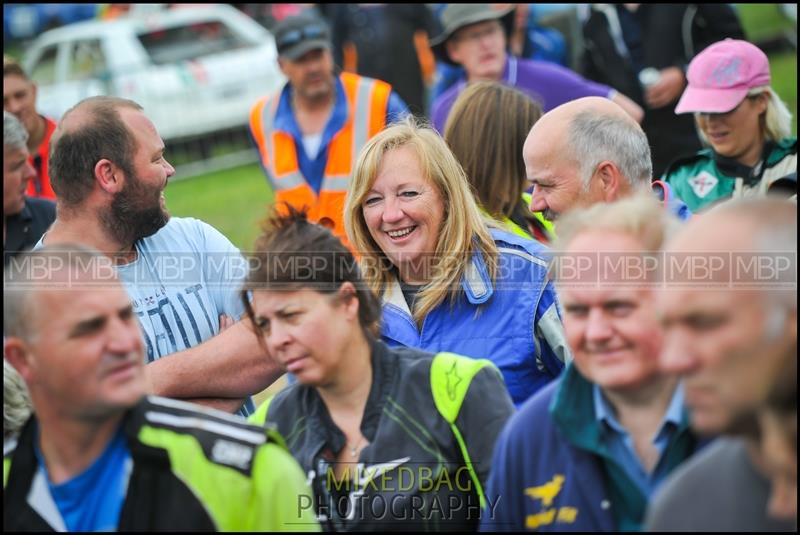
584 152
728 334
98 453
25 219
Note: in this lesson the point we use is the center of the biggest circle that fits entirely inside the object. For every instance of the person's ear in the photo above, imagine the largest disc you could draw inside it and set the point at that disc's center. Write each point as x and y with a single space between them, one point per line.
610 179
108 176
16 352
762 101
348 298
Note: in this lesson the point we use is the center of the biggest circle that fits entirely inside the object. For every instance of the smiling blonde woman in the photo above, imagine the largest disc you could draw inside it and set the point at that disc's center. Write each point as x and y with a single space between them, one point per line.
450 279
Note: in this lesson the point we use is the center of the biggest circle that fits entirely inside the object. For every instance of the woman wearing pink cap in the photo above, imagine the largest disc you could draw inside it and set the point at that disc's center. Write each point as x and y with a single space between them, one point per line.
744 123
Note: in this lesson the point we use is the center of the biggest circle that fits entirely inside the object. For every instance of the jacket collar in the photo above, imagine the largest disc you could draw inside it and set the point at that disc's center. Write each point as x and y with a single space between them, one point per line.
394 296
573 412
384 374
476 283
321 427
29 484
25 214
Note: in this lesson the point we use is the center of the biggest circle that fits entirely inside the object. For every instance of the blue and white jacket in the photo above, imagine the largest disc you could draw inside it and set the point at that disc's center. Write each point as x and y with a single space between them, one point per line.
515 322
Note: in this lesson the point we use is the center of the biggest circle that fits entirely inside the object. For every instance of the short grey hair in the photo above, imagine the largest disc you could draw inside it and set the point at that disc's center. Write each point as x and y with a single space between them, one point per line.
640 216
14 134
594 138
17 406
774 225
29 272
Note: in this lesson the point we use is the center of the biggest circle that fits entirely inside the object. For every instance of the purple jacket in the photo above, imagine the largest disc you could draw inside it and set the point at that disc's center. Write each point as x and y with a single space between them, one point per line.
547 83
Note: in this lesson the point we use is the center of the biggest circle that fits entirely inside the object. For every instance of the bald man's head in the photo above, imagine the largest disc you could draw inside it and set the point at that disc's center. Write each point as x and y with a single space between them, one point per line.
762 225
53 268
585 151
90 111
596 106
91 130
729 307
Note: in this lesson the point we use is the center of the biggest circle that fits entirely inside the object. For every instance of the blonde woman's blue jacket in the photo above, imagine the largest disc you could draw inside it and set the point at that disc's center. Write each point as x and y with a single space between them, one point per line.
515 322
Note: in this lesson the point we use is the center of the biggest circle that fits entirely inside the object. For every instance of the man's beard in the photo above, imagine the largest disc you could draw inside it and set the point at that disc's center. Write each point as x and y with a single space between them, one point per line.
550 215
135 213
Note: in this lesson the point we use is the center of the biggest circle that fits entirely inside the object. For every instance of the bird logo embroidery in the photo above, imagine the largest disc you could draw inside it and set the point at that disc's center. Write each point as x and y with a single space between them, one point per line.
546 492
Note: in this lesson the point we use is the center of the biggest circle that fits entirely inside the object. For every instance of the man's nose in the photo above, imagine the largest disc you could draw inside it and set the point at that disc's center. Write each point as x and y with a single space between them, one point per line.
538 202
676 356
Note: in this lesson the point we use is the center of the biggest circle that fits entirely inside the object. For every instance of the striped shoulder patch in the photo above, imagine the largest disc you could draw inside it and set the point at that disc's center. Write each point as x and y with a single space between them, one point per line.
189 424
183 408
224 438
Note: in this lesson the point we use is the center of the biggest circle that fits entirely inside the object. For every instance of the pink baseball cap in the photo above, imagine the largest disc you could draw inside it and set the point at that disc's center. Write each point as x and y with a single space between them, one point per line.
721 75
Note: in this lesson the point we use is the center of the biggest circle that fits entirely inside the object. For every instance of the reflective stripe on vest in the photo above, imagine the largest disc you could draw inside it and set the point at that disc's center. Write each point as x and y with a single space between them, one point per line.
367 101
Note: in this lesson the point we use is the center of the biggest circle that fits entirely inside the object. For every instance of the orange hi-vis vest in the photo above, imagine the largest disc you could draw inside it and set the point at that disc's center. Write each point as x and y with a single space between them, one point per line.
367 101
39 186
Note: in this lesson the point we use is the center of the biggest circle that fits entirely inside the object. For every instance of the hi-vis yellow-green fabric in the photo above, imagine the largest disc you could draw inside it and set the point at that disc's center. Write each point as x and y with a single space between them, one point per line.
448 398
227 494
192 470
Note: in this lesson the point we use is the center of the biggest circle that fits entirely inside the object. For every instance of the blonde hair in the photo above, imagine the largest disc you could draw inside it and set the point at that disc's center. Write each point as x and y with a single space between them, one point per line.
777 121
640 216
486 130
463 230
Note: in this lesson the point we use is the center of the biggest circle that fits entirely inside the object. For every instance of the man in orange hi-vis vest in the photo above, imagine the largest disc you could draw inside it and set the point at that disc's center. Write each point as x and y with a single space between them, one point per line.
19 98
309 133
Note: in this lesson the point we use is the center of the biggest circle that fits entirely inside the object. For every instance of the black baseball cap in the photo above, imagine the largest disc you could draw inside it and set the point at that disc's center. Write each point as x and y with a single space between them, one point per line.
298 34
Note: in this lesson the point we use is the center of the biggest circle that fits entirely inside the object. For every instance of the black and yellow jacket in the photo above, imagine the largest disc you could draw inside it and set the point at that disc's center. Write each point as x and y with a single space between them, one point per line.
431 423
193 470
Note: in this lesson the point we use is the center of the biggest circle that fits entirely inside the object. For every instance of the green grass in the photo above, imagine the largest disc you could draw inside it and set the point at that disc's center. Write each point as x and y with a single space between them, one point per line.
762 21
783 67
233 201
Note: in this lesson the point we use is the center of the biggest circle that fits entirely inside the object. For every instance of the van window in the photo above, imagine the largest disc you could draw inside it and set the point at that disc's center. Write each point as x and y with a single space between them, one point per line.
191 41
87 61
43 71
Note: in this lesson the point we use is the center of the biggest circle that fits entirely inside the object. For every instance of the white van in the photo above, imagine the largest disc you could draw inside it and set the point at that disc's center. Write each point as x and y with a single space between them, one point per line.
195 69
